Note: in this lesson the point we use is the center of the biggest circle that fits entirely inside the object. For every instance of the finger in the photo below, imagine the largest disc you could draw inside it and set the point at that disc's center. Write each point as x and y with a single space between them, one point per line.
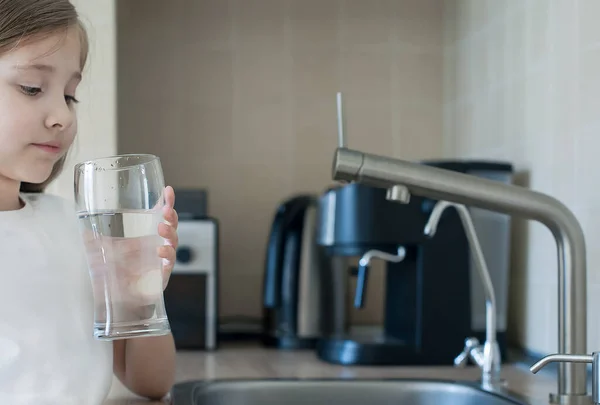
169 196
171 216
168 253
167 232
162 199
169 256
166 276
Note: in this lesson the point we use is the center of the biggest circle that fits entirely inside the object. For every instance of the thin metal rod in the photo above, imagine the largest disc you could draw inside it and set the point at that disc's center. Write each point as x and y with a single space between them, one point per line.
340 121
365 260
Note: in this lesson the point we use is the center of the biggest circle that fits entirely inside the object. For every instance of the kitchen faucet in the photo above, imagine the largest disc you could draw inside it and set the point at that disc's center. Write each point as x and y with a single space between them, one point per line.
487 357
593 359
402 178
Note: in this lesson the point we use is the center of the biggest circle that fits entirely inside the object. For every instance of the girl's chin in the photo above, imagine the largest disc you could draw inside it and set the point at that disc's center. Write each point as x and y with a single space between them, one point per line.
37 175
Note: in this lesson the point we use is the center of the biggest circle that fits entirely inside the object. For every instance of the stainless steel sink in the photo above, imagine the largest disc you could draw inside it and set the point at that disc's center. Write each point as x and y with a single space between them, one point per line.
336 392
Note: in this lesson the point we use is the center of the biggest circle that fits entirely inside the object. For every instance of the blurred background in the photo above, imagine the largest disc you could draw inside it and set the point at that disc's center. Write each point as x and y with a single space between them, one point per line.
238 98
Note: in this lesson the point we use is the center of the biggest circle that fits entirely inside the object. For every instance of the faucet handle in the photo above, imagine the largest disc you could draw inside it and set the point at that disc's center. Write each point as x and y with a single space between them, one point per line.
470 350
593 359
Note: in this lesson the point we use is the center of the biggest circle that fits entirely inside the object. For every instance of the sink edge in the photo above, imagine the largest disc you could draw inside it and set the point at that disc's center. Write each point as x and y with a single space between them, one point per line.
184 392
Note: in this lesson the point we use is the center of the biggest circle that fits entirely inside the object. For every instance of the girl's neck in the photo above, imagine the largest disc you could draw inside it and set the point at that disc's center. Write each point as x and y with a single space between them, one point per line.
9 195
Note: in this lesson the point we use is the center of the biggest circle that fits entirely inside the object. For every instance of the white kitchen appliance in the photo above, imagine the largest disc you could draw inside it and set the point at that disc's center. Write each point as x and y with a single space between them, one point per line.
191 297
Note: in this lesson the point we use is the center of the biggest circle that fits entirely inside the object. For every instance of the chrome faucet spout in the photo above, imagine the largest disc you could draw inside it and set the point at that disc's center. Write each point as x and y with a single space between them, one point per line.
487 356
439 184
478 257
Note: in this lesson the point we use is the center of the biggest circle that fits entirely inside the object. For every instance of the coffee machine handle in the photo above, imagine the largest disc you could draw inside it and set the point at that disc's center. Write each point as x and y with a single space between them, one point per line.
286 215
363 269
274 257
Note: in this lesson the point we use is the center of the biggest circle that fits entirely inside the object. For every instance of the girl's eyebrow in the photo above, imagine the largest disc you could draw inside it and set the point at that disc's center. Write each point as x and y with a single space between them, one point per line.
44 68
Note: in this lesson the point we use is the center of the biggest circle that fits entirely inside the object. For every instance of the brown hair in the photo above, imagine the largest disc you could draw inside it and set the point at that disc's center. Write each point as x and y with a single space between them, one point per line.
24 20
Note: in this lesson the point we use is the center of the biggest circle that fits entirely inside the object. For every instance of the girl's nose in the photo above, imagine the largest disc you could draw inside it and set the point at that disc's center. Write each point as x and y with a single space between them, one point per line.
60 116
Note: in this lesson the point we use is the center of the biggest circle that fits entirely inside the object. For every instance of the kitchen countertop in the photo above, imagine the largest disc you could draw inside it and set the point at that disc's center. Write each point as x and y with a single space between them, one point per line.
247 361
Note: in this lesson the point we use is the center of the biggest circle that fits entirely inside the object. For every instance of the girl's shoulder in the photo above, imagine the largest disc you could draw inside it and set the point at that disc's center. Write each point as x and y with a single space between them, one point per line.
50 213
48 202
49 209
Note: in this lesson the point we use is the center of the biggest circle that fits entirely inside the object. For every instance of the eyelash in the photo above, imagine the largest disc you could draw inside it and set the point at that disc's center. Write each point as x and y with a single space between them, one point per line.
33 91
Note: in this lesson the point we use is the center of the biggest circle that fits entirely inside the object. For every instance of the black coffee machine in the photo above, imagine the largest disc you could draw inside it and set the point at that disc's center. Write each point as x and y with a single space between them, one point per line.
428 300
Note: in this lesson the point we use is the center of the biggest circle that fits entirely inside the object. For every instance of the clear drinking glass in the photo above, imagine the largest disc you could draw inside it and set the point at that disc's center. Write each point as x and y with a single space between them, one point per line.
120 202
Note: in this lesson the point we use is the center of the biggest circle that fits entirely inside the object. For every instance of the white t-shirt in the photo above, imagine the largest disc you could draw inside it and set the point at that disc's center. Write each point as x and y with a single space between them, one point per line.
48 355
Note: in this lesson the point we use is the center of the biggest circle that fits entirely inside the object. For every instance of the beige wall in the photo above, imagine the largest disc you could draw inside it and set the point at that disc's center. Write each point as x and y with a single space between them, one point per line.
239 97
97 115
521 83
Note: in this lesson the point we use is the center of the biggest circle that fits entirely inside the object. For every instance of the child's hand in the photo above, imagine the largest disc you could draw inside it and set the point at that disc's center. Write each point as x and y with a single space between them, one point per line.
168 231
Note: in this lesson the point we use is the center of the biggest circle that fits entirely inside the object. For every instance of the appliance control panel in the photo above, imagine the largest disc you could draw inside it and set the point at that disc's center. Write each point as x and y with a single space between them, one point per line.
196 250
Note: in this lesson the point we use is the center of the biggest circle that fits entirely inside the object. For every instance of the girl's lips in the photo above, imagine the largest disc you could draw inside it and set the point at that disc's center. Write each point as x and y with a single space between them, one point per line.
48 147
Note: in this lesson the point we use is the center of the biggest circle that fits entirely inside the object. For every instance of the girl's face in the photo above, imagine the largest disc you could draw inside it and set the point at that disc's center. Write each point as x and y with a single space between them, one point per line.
38 80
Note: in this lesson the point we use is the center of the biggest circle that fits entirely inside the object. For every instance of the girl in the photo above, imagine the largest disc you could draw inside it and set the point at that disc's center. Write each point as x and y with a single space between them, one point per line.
47 351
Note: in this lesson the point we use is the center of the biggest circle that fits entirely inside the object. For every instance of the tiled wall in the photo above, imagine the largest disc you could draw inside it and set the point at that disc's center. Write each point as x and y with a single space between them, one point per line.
97 110
239 96
522 83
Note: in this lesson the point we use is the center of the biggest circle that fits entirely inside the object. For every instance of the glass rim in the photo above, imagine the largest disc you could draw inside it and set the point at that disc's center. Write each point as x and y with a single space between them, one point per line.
149 158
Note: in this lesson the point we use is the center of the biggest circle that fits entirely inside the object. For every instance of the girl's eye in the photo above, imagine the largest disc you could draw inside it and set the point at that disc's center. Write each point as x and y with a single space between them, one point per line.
71 100
31 91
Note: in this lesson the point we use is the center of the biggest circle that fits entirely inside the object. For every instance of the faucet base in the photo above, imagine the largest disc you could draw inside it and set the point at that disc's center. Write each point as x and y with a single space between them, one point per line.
493 383
556 399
